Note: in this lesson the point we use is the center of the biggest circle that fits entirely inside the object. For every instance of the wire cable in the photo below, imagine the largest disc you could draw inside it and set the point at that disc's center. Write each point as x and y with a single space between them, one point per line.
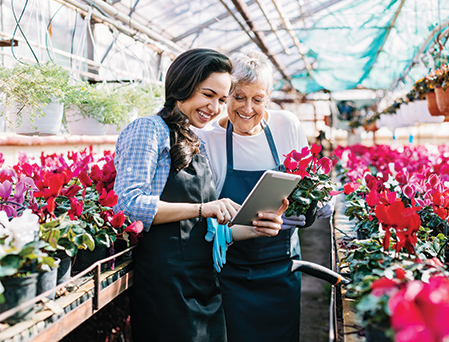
20 28
47 32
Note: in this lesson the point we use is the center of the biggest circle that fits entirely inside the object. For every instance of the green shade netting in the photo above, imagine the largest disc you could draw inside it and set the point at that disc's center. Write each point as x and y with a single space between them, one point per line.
352 44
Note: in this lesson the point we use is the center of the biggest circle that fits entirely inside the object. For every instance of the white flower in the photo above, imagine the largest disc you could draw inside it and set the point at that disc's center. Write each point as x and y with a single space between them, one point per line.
23 229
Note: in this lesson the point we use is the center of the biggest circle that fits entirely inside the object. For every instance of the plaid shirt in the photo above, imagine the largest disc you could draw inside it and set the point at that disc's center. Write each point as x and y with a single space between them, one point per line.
142 160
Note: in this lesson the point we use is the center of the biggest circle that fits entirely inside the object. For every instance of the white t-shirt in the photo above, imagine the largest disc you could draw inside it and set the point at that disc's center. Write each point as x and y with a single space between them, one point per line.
252 152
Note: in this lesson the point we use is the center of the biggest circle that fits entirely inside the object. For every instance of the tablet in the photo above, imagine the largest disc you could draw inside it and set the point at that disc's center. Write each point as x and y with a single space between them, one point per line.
266 196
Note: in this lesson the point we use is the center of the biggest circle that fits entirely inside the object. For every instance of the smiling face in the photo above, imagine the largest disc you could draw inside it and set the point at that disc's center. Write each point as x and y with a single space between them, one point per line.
246 107
207 100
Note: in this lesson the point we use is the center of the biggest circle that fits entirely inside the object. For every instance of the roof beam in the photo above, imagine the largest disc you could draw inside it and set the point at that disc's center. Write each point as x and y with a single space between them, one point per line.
273 29
206 24
315 10
288 26
127 20
256 37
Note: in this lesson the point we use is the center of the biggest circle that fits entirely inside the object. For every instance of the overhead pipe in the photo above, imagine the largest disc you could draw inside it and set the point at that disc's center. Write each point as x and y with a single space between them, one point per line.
157 40
259 38
273 29
288 26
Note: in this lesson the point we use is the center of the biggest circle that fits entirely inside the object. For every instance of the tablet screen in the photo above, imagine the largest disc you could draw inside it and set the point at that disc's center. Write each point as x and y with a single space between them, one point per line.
266 196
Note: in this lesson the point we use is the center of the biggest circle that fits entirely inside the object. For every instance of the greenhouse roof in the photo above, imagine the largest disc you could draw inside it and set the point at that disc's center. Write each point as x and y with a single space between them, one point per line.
315 45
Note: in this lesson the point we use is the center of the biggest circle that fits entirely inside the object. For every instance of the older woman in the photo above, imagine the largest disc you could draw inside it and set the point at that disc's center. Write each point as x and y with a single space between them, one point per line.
261 298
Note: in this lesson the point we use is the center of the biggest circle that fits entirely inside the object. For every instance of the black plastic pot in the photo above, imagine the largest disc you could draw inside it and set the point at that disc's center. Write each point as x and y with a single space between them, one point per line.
85 258
374 333
18 290
64 269
48 280
311 214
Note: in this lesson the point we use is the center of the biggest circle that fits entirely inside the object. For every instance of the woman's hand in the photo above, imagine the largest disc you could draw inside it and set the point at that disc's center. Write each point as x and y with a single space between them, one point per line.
223 210
269 224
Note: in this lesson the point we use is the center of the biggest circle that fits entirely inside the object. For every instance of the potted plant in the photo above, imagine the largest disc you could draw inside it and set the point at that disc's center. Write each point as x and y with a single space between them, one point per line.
315 185
441 84
89 108
34 95
21 254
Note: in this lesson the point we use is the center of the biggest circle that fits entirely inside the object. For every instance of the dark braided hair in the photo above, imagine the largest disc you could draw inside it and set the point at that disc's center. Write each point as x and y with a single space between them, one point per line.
184 75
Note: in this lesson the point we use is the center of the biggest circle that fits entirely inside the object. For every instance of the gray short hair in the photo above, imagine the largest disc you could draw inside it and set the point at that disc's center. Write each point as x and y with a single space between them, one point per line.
252 66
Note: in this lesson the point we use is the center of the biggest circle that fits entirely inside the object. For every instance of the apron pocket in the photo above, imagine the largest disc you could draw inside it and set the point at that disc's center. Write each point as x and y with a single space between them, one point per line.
194 246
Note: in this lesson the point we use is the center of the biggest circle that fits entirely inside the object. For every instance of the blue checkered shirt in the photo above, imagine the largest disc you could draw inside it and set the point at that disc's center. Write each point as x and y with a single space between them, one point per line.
142 160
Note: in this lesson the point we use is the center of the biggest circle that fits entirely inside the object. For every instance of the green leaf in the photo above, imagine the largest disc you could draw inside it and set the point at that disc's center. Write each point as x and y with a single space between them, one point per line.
10 265
84 241
306 183
70 248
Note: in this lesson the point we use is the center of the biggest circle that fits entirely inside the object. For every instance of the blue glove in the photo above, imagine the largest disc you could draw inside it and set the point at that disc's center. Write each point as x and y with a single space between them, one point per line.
221 236
326 211
293 221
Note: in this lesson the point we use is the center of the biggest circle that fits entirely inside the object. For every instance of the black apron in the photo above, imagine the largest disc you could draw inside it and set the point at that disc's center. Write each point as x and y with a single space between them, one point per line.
175 296
261 300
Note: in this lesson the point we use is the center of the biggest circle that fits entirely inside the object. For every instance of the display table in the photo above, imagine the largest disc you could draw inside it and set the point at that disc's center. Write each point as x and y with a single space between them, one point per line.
82 296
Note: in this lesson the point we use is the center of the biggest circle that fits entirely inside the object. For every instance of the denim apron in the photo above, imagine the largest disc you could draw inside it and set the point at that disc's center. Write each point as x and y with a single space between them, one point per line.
261 300
175 296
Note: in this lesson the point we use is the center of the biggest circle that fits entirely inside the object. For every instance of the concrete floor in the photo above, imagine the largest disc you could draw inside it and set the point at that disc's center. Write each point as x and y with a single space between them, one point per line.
315 293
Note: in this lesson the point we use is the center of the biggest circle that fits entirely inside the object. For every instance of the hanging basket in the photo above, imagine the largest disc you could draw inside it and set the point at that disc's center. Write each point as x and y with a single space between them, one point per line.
371 127
442 99
79 125
49 124
432 104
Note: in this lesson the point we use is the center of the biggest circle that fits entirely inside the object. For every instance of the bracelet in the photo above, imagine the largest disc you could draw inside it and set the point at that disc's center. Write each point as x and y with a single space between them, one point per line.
199 211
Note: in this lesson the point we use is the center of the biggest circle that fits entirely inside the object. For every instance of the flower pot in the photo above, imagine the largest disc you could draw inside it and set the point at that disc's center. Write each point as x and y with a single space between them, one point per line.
311 214
49 124
373 333
48 280
371 127
18 290
432 104
423 115
84 258
65 268
79 125
362 234
442 99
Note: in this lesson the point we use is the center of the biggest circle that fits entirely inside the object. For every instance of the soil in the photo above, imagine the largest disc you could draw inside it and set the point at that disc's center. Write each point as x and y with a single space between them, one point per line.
111 324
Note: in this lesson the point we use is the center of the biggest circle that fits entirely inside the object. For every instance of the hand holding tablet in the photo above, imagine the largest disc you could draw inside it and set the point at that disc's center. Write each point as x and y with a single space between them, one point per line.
266 196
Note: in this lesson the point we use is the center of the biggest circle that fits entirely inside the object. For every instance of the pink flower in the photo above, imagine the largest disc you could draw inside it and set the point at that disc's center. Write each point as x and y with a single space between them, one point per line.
409 191
315 149
84 179
420 311
326 164
133 231
5 189
372 198
118 220
108 199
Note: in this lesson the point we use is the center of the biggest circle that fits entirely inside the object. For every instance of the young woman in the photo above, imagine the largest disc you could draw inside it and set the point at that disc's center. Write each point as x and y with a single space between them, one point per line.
164 180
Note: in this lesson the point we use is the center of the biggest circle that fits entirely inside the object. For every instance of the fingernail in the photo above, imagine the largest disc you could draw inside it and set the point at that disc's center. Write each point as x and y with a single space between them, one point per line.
260 215
255 223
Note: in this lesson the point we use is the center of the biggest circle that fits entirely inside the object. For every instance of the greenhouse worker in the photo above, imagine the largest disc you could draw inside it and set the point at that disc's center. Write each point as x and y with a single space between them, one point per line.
241 146
164 180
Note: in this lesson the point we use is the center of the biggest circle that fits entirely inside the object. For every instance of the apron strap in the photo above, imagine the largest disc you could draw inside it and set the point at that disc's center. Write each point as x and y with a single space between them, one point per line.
229 146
